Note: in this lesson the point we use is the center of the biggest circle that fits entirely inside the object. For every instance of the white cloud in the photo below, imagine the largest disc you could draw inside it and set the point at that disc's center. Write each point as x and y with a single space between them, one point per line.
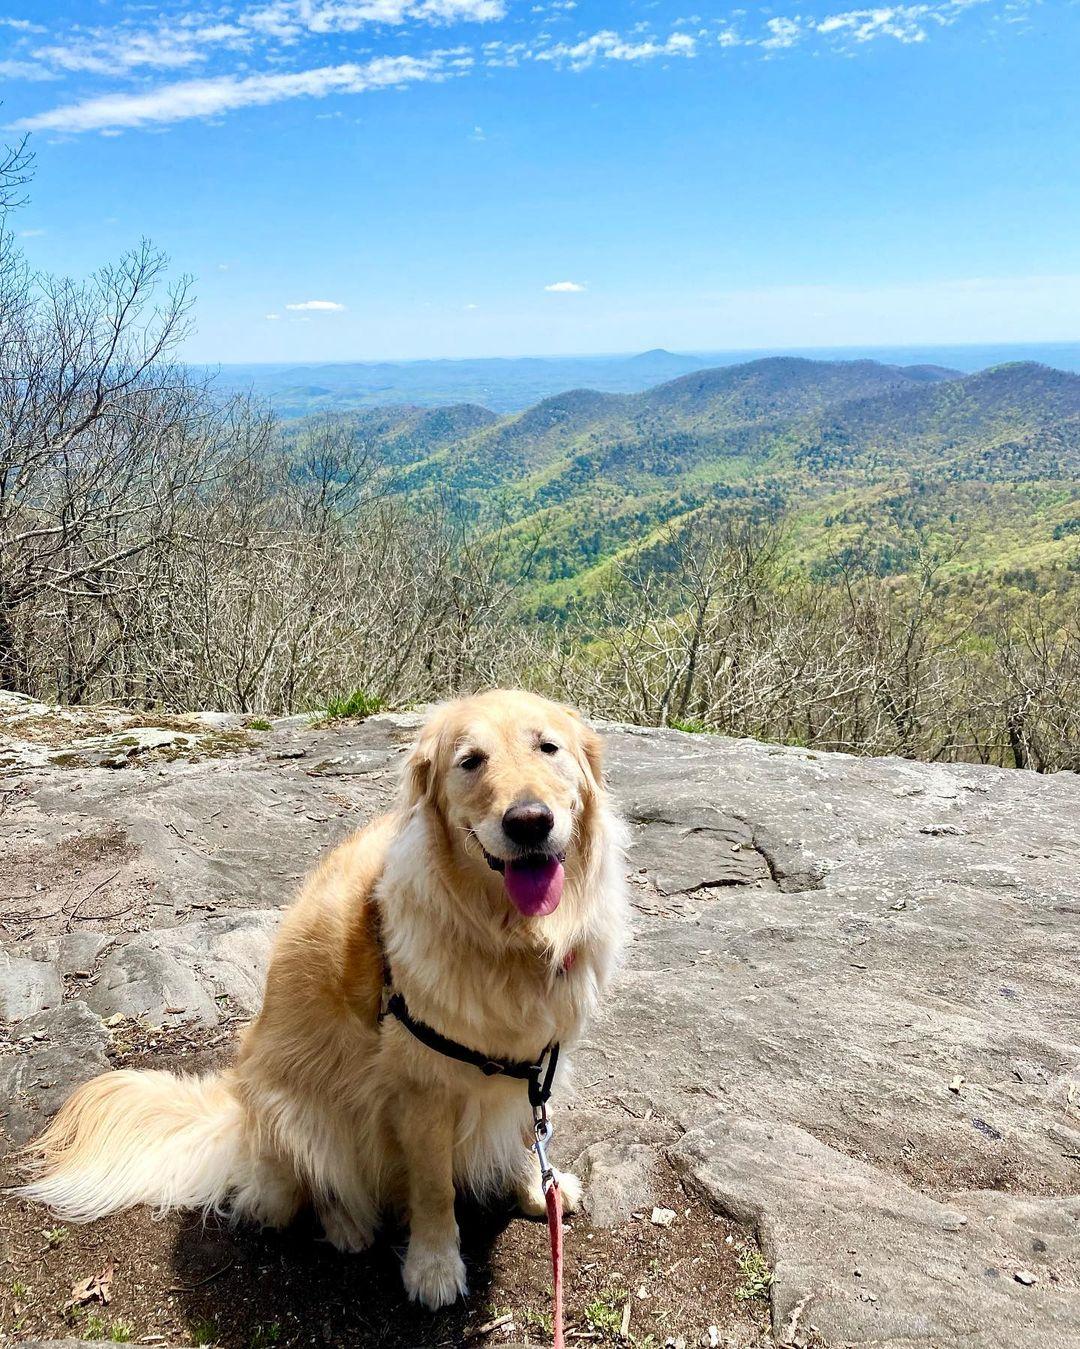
289 20
272 316
24 70
608 45
784 33
324 306
471 306
903 22
22 25
117 50
225 93
30 234
565 287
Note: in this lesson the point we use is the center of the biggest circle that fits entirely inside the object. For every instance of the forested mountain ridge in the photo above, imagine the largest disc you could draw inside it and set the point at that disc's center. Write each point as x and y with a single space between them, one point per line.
844 451
724 403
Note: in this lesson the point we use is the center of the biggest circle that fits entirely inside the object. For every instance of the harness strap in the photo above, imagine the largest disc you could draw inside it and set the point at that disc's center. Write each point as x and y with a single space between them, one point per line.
539 1075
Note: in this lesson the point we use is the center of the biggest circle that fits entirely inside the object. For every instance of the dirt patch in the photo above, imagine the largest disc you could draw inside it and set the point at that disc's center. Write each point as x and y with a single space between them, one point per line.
87 879
196 1283
178 1049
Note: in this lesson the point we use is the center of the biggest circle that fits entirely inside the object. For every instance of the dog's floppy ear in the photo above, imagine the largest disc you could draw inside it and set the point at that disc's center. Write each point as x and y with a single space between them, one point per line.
591 750
418 777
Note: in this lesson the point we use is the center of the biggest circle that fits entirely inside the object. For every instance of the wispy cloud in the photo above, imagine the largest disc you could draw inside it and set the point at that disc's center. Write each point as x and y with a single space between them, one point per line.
323 306
25 70
192 37
607 45
31 234
903 23
212 97
290 20
114 51
22 25
565 287
906 23
245 53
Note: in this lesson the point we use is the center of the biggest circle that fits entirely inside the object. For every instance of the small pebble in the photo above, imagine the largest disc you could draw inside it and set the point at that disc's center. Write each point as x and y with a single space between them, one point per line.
1025 1277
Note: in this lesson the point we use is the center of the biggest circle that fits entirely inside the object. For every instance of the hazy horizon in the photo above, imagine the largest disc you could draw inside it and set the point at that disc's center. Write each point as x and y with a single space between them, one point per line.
914 353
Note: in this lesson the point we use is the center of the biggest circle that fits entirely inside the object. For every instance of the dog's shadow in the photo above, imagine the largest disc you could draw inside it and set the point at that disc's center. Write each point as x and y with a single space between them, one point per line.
240 1288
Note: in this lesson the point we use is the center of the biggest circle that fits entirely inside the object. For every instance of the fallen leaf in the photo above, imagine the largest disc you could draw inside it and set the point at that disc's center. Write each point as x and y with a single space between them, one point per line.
94 1288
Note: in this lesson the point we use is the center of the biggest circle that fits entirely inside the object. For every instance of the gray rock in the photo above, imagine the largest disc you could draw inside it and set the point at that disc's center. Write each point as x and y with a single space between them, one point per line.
26 987
55 1051
619 1180
178 974
679 858
822 1216
71 1344
74 951
822 945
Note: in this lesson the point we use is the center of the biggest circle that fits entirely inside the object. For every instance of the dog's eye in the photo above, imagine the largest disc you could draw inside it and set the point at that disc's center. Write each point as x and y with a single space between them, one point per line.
472 763
548 747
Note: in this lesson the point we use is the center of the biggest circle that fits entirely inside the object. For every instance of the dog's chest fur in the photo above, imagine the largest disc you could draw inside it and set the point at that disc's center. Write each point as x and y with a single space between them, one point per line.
464 973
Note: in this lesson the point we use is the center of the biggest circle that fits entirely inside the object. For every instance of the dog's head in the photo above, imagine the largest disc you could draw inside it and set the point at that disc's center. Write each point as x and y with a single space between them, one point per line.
515 781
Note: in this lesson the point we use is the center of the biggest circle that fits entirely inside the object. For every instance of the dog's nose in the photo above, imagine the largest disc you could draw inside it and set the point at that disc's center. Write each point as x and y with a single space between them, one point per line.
528 824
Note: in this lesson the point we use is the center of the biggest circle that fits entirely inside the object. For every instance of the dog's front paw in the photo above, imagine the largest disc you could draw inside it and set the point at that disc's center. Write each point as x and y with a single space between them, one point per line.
570 1188
434 1276
531 1195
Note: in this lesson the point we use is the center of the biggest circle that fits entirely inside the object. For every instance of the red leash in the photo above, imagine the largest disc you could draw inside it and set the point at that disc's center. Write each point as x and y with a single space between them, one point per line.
553 1200
554 1217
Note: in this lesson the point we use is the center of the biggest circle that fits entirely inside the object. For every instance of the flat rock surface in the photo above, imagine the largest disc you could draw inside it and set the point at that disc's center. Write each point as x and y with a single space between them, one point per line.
848 1017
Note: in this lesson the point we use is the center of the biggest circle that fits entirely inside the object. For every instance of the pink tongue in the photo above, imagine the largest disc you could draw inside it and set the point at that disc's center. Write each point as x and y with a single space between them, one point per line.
535 889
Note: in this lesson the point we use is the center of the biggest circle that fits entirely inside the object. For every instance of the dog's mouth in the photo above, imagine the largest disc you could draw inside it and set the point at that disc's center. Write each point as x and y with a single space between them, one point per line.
534 882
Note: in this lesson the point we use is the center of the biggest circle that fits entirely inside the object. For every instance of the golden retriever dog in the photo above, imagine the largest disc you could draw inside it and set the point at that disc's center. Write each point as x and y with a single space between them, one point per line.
492 902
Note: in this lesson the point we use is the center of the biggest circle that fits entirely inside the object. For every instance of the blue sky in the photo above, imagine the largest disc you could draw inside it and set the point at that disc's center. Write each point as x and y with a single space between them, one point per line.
356 179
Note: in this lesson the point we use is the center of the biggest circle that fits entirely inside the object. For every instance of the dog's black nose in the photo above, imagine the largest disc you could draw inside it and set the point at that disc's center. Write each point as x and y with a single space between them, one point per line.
528 824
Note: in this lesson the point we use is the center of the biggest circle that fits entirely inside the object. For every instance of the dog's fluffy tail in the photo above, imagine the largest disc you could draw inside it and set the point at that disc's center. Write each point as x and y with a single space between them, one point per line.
141 1138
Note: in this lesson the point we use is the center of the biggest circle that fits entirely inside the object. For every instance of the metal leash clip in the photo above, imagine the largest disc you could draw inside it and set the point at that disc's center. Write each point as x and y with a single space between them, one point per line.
543 1132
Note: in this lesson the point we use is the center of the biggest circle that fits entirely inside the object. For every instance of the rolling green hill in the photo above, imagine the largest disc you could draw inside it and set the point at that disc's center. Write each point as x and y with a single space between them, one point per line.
846 451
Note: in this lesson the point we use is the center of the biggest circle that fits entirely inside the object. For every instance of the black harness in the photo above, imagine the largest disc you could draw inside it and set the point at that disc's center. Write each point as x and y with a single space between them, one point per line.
539 1075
